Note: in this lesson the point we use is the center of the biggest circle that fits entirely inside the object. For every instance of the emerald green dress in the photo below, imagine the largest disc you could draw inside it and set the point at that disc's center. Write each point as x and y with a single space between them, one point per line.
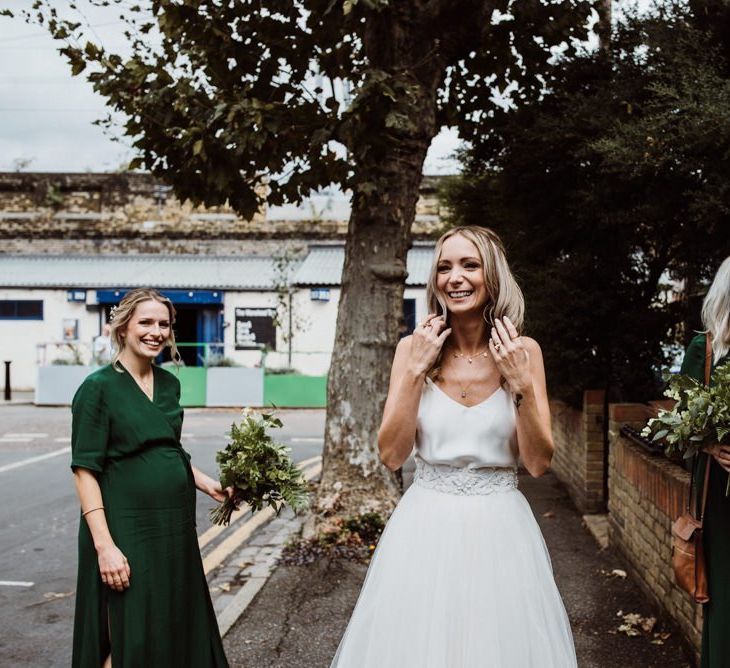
716 628
165 618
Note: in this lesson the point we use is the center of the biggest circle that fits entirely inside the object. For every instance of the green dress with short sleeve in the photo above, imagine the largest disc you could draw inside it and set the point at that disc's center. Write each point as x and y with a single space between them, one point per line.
165 618
716 626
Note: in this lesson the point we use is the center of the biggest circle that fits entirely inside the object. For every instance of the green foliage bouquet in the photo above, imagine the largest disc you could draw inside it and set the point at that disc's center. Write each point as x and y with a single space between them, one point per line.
700 418
260 471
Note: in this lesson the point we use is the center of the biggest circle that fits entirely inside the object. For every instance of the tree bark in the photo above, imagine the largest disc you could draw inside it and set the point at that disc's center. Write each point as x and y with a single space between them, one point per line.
603 29
371 301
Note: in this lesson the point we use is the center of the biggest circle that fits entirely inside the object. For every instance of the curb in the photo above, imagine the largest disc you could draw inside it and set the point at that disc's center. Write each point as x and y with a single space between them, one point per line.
258 560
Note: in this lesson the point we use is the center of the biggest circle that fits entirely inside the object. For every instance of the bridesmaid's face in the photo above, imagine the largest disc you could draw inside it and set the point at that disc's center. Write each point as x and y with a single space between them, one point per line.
148 329
460 276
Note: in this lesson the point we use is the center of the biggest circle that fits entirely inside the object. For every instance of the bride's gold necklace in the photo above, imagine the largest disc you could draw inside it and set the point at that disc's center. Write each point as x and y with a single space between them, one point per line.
470 359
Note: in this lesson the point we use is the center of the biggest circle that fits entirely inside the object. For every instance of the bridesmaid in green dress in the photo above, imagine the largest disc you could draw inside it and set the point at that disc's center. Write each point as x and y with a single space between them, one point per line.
142 598
716 629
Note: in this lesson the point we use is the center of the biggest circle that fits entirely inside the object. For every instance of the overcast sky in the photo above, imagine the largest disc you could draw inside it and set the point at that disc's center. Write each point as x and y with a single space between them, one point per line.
46 115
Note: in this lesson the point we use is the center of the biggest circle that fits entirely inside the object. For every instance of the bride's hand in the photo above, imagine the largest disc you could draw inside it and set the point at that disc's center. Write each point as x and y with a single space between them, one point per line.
510 355
426 343
721 454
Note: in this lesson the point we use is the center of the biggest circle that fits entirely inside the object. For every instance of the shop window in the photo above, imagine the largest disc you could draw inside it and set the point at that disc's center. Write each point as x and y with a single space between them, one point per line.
21 309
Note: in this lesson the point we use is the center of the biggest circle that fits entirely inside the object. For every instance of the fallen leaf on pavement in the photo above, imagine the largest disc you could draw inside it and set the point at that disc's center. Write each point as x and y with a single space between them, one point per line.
635 625
647 624
50 595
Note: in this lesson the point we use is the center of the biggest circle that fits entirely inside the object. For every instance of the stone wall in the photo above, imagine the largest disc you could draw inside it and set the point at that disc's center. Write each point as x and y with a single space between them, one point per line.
646 494
579 450
133 208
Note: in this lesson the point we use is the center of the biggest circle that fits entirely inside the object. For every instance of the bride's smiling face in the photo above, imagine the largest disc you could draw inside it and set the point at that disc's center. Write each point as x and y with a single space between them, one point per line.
460 276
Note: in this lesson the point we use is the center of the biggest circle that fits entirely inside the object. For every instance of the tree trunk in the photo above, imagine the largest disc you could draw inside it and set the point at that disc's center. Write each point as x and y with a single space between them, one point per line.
603 29
371 301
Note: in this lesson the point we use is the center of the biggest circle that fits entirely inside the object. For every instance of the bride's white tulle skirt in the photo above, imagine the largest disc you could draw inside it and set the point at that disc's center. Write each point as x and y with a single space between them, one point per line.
460 579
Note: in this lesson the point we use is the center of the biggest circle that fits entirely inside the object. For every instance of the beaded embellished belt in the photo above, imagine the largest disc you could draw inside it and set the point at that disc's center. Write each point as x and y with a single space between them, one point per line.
462 480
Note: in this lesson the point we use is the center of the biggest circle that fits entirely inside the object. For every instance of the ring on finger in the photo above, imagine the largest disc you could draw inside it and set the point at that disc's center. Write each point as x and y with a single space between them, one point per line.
497 346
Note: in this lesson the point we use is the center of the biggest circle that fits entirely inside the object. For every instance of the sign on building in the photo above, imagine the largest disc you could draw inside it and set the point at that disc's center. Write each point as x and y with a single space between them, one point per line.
255 328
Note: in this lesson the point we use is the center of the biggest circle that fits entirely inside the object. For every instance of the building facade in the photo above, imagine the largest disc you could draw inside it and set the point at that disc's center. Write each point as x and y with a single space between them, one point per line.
257 293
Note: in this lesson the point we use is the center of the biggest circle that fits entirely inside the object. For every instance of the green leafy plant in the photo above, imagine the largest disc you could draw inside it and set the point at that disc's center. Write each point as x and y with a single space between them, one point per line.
700 418
260 471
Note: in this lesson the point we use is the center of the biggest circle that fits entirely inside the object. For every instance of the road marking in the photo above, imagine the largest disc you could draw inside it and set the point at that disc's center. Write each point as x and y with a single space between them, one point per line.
15 583
242 533
305 439
28 434
33 460
63 439
187 434
14 439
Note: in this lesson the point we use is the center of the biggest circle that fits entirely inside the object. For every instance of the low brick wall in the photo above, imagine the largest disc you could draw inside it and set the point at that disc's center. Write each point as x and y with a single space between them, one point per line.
578 461
646 493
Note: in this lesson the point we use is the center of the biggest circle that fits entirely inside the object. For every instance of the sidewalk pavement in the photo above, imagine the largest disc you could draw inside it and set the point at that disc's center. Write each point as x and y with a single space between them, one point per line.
19 397
298 616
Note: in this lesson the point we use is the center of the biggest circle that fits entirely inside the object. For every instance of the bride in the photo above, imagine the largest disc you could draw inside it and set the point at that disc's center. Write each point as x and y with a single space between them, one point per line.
461 577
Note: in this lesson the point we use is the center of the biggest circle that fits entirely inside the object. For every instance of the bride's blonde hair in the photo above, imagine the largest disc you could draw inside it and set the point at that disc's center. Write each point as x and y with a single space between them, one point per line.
504 297
716 311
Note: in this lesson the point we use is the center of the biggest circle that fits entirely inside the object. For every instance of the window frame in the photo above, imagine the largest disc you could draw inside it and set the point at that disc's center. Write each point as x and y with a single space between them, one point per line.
15 306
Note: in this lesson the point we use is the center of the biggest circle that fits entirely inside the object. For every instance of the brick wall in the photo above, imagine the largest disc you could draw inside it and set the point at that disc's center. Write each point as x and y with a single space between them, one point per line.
37 207
142 245
646 493
579 452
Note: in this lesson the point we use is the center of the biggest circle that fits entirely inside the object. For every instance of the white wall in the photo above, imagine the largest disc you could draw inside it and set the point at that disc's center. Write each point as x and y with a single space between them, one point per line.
312 344
20 339
314 339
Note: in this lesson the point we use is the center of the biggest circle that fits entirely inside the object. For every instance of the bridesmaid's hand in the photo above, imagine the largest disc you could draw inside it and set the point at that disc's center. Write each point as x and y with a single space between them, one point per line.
211 487
721 453
114 567
217 493
510 355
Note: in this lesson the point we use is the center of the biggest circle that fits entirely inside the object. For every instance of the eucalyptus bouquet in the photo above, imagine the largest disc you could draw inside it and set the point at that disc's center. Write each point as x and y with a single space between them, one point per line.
700 418
260 471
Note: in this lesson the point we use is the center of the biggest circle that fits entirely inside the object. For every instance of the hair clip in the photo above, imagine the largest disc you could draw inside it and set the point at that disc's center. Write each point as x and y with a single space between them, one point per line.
112 314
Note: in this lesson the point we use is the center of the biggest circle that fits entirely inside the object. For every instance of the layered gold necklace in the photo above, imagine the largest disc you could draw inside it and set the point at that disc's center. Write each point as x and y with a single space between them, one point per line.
470 359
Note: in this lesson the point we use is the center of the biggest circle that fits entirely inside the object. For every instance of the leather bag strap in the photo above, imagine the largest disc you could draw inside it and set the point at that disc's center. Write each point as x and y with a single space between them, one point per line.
708 371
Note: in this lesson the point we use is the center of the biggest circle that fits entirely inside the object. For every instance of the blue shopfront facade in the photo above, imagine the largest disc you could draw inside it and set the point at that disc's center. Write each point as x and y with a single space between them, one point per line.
199 322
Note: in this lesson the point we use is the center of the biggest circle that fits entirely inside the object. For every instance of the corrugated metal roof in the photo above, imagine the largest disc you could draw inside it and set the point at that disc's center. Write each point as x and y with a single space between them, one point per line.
323 266
131 271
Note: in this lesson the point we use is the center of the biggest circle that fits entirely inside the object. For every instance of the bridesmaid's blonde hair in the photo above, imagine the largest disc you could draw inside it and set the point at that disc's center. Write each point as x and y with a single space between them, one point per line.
716 311
122 314
504 297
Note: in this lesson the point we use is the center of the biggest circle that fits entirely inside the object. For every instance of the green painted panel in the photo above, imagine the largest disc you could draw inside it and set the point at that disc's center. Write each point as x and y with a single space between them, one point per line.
295 391
193 383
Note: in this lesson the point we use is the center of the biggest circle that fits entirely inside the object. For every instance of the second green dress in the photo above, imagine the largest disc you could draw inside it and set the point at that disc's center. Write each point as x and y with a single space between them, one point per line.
716 628
165 618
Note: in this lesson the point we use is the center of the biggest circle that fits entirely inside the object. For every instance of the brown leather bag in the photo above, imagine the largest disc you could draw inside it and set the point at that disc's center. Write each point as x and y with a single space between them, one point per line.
688 557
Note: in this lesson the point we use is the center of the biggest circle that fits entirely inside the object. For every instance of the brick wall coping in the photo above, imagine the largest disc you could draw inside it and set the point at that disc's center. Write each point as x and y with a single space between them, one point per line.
659 480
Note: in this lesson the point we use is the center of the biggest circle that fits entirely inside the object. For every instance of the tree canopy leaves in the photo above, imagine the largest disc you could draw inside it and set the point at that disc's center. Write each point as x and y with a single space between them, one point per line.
221 96
611 185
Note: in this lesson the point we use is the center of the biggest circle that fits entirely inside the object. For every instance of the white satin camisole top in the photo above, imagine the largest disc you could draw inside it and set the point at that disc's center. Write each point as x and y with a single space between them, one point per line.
480 436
